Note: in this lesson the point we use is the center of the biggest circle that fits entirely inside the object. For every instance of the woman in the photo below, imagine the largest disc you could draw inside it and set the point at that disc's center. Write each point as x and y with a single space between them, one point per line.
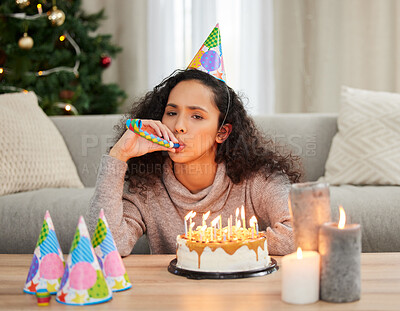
222 164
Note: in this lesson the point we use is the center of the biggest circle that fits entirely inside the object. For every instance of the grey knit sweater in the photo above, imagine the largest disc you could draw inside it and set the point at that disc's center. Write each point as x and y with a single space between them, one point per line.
160 213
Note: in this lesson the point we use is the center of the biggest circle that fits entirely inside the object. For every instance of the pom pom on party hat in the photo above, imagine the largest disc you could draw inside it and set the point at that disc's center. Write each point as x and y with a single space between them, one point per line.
209 58
109 257
47 265
83 282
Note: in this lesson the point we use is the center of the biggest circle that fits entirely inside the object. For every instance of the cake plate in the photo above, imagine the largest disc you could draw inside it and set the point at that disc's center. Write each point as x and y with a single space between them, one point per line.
197 275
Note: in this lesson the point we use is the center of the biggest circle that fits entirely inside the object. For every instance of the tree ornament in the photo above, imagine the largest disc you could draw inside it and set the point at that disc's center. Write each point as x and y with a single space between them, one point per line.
22 4
56 16
66 94
105 61
26 42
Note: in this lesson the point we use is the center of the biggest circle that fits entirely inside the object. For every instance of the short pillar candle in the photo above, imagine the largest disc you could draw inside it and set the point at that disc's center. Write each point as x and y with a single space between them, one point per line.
309 205
340 251
300 277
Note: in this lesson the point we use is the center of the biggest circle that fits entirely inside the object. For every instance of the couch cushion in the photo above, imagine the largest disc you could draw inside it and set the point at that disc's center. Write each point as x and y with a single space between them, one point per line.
307 135
376 208
22 214
33 154
366 149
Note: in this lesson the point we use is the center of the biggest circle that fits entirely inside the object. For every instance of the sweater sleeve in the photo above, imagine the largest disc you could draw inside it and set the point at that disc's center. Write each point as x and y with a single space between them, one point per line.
270 197
123 216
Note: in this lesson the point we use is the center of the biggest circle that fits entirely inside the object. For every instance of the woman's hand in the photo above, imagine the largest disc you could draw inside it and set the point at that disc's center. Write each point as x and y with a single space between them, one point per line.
131 145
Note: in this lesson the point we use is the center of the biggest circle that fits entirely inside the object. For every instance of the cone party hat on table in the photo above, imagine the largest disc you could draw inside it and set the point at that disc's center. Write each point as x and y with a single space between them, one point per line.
109 257
209 58
47 265
83 282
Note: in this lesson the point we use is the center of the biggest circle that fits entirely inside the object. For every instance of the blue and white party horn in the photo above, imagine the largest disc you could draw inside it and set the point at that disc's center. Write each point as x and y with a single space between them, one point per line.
135 125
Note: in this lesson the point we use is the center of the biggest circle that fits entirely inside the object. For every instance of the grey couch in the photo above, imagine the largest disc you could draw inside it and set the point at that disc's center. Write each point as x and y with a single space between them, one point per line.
377 208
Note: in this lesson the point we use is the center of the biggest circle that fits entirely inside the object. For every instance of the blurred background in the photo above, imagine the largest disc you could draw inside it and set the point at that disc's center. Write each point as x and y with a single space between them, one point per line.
282 55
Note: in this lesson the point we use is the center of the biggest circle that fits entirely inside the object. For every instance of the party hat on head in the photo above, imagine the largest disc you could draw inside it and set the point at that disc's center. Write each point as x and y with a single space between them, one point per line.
83 282
109 257
209 58
47 265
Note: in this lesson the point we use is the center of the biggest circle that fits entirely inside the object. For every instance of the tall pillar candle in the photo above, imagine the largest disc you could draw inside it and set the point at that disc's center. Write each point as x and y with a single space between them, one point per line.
340 251
300 277
309 205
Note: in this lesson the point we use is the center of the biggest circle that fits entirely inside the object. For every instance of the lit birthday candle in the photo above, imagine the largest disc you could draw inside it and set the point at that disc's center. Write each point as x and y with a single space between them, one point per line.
214 227
186 218
191 217
237 216
243 217
190 230
253 221
205 216
229 227
202 232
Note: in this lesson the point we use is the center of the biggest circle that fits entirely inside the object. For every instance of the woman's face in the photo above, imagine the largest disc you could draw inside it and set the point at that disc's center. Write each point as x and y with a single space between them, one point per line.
192 116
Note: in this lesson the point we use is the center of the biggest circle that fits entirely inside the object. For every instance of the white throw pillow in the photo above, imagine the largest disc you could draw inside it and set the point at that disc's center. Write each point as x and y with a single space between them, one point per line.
366 149
33 154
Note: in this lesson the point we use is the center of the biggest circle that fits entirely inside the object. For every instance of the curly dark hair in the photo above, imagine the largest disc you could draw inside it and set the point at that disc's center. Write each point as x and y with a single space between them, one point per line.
246 151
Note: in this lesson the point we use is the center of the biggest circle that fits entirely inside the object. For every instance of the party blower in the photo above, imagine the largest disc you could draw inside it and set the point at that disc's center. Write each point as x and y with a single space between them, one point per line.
135 125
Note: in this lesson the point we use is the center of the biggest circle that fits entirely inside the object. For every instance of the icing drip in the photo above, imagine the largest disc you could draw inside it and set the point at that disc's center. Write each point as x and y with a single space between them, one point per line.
230 247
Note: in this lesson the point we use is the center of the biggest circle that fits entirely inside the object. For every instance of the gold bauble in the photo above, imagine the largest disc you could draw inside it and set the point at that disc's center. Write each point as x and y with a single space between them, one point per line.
22 4
26 42
56 16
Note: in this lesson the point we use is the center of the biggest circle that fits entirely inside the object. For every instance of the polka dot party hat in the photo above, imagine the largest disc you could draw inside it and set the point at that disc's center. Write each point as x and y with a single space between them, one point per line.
109 257
83 282
209 58
47 265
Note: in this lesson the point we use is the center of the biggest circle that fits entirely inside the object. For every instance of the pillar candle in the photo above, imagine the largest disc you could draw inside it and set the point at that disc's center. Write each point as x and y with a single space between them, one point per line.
300 277
340 251
309 205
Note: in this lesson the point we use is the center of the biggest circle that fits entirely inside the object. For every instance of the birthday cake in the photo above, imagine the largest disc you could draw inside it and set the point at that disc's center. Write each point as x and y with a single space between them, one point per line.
242 251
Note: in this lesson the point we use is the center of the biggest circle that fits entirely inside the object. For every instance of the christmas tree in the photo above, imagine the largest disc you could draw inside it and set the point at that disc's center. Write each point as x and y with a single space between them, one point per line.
50 48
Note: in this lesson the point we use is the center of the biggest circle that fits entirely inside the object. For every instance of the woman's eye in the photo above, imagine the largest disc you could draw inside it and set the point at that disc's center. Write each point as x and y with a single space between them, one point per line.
171 113
197 117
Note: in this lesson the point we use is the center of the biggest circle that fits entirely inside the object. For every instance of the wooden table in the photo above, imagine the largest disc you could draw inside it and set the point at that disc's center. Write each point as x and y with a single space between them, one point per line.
154 288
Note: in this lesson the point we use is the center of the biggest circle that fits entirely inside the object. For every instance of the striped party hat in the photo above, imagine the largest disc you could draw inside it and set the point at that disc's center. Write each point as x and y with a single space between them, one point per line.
83 282
47 265
209 58
109 257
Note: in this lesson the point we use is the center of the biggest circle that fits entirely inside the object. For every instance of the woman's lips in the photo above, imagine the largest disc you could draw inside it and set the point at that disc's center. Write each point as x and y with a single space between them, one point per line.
181 147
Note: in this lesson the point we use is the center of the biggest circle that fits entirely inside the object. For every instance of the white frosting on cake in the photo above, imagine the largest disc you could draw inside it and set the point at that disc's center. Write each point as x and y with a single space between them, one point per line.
230 256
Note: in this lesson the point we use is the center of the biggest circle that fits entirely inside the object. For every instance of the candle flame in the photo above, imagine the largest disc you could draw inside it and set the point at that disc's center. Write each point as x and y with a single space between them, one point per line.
239 224
342 218
205 216
253 221
237 212
299 253
215 221
188 215
39 6
192 225
242 212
